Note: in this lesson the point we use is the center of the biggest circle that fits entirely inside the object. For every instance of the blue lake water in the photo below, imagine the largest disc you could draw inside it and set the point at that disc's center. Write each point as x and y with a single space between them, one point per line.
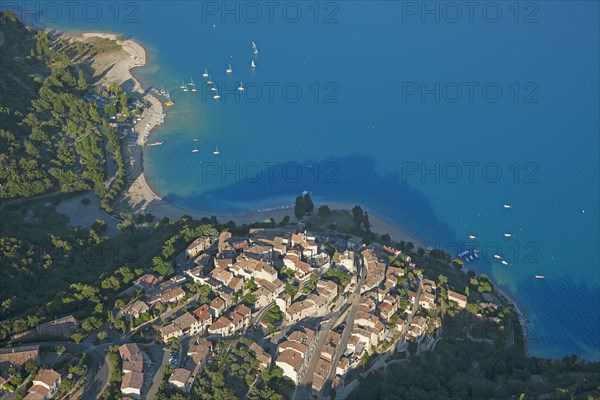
431 124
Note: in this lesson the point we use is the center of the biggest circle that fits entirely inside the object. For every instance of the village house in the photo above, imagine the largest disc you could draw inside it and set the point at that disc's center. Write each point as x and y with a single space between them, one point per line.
236 284
201 244
172 295
16 357
217 306
146 282
134 310
133 370
329 289
300 310
262 356
221 275
320 375
223 326
203 316
182 379
343 366
460 299
259 252
183 326
197 353
417 327
427 300
283 301
292 352
196 274
45 385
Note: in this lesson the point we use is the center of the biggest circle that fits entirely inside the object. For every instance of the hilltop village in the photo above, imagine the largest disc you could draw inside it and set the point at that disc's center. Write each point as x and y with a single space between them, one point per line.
306 310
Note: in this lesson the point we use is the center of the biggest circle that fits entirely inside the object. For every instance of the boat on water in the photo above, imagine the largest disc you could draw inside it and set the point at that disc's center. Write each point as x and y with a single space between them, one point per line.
507 235
216 152
504 262
195 139
497 256
159 143
507 206
183 85
241 87
253 64
193 85
255 48
214 89
472 237
205 74
169 102
209 82
540 277
217 96
229 70
195 149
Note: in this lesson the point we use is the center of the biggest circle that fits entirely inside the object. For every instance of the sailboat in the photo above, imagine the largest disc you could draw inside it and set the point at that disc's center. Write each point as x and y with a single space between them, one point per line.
217 96
507 235
507 206
255 48
253 65
504 262
195 149
216 152
183 85
205 74
472 237
193 85
229 70
185 88
241 87
209 82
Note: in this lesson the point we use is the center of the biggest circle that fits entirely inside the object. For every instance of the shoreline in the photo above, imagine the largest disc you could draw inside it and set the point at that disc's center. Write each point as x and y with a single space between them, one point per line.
139 196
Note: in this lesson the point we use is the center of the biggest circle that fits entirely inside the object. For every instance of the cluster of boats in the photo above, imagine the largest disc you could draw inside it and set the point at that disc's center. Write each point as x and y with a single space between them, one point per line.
216 151
468 255
191 86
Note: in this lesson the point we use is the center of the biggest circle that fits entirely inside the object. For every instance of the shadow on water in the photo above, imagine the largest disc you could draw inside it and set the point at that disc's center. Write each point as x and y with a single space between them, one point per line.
245 187
554 326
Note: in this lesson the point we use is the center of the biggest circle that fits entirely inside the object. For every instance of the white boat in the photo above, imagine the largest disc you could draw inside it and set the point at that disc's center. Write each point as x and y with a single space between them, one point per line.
507 235
255 48
195 149
210 82
252 64
183 86
540 277
216 152
229 70
472 237
205 74
214 89
241 87
193 85
497 256
507 206
195 139
504 262
217 96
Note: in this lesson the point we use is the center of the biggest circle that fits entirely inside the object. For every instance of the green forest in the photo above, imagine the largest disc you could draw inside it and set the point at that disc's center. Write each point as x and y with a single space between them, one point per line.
53 136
